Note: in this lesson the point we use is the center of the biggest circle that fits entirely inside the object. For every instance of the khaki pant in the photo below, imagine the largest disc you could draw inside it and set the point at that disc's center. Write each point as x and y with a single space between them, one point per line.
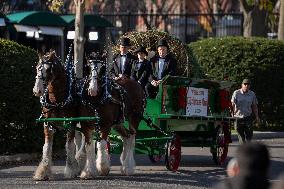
244 129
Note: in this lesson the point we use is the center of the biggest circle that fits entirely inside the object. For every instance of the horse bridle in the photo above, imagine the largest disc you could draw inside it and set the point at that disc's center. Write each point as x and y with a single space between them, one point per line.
44 99
95 68
40 69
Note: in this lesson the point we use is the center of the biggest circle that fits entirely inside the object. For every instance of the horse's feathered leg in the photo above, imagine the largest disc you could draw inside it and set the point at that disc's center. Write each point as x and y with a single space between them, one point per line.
103 158
43 171
127 156
124 135
71 169
90 170
80 149
128 164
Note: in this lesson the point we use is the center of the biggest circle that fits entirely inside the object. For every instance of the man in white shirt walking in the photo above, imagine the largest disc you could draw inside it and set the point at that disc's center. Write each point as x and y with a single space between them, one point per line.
244 105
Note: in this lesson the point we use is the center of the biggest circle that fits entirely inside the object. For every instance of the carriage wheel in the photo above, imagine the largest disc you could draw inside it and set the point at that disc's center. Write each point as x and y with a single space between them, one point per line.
173 155
155 158
220 152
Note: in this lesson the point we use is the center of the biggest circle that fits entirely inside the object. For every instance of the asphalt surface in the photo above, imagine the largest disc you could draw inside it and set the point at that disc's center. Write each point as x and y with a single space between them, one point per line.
196 171
28 157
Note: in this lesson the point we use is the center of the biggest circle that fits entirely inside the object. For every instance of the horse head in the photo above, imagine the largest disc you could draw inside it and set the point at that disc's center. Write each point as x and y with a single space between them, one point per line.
38 88
53 67
97 63
49 72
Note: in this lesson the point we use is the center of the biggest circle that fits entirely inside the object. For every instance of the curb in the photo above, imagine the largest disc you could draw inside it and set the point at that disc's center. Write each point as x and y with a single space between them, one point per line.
262 135
17 158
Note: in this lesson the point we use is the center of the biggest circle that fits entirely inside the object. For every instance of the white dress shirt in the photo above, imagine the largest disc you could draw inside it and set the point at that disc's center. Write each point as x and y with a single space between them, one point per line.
161 66
122 60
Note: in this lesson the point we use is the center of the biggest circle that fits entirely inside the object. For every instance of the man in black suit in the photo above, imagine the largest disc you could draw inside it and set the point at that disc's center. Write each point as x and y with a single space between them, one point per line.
162 65
141 68
122 62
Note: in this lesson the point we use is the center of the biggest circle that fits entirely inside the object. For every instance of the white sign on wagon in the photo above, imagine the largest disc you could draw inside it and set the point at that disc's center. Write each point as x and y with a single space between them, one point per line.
197 102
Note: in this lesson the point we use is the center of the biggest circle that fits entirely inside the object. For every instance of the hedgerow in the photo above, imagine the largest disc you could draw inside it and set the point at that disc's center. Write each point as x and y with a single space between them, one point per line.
18 107
235 58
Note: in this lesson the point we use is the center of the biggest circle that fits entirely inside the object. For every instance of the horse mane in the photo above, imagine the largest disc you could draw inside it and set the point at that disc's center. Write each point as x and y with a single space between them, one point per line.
50 57
56 78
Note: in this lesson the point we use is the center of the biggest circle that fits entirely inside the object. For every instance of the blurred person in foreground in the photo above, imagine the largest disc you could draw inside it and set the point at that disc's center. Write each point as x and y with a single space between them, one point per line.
279 184
253 162
233 168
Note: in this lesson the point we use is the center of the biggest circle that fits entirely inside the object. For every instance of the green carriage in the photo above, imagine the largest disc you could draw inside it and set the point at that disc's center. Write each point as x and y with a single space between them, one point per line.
189 113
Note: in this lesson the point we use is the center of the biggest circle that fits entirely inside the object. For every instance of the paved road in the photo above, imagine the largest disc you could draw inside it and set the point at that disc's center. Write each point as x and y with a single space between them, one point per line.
197 171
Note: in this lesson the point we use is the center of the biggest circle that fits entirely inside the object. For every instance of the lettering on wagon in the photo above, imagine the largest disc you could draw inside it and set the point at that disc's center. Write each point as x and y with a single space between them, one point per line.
197 101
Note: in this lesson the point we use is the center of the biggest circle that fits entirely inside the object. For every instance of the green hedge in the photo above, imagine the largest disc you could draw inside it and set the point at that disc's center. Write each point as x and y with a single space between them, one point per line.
18 107
235 58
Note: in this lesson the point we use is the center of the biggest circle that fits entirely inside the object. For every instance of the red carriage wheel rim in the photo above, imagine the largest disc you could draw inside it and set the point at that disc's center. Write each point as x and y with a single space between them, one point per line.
222 150
174 154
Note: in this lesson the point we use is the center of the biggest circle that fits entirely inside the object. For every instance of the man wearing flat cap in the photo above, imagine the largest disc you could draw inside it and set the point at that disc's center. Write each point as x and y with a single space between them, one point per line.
122 62
162 64
244 104
141 69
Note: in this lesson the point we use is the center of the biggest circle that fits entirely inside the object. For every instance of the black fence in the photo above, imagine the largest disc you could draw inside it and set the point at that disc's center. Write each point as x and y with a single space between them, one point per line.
186 27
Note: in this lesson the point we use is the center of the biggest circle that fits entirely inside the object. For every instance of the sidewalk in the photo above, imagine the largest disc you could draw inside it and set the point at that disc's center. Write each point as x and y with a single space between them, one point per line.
34 156
17 158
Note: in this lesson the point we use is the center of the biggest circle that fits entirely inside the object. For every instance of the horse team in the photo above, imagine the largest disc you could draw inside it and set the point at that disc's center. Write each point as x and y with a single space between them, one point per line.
95 95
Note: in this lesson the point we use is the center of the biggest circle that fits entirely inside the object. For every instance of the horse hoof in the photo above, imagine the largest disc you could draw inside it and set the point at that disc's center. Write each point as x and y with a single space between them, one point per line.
126 171
104 172
38 178
86 175
71 173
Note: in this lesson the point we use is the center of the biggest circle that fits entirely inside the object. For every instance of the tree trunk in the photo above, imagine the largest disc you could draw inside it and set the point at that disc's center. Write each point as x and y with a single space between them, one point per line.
281 22
255 20
79 38
255 23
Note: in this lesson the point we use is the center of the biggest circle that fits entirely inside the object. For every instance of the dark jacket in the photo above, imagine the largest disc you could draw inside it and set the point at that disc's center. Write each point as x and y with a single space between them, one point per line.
116 67
169 67
142 74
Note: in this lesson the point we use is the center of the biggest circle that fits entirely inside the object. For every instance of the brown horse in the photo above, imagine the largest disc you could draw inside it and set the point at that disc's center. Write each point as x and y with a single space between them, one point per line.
51 72
114 102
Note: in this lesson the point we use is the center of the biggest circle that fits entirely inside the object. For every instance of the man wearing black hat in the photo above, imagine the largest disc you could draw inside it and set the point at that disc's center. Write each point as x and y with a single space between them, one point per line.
162 65
244 103
141 69
122 62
